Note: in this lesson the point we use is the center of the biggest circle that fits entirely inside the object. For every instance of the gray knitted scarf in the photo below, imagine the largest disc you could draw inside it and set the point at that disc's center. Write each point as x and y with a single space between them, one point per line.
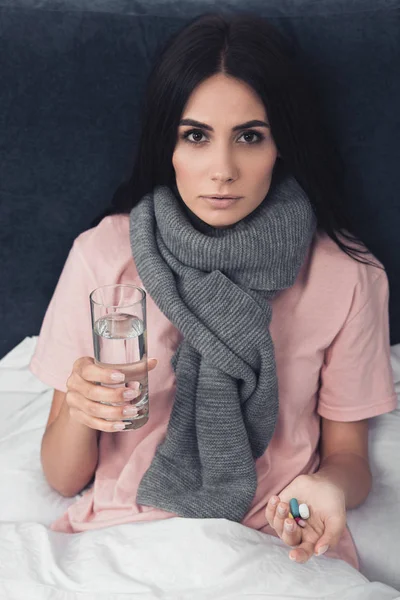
214 285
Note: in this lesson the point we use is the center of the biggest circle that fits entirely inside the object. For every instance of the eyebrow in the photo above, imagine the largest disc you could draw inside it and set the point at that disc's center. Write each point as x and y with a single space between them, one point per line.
254 123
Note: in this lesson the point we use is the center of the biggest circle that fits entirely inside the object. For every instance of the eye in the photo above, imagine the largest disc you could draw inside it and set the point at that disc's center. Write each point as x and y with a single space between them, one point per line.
194 132
198 134
259 136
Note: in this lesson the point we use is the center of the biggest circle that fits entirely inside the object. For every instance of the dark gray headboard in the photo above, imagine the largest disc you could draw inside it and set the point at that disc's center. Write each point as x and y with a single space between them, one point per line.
72 73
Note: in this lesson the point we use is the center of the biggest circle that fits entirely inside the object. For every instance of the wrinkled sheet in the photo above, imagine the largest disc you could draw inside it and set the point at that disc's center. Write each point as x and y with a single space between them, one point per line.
175 559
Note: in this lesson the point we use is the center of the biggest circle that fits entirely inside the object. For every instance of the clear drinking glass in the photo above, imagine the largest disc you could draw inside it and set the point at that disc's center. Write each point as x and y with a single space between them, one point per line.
120 341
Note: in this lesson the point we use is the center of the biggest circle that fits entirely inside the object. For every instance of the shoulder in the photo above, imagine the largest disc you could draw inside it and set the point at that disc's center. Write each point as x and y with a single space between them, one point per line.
109 237
106 245
327 254
112 232
343 276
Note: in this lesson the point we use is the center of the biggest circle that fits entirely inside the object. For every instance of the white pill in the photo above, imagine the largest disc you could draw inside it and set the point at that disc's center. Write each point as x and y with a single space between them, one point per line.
304 511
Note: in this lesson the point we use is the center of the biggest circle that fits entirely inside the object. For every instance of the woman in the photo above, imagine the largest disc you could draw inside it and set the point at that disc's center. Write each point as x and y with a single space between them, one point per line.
267 318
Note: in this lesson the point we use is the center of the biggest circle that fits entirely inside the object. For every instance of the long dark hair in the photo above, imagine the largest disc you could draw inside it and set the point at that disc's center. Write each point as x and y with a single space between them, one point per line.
249 48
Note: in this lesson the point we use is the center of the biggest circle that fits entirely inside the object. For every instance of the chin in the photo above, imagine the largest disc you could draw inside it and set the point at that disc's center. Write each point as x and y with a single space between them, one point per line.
221 220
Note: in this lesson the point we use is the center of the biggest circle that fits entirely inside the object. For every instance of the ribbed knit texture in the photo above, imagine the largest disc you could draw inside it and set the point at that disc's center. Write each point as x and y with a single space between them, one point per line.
214 285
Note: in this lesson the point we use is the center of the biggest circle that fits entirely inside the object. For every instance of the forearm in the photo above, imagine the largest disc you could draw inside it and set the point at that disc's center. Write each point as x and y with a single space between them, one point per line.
351 473
69 454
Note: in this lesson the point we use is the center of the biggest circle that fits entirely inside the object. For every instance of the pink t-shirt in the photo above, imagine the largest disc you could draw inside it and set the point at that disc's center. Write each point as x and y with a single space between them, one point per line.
330 334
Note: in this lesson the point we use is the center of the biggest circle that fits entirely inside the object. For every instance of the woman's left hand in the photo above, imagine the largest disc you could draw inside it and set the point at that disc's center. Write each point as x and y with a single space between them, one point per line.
327 521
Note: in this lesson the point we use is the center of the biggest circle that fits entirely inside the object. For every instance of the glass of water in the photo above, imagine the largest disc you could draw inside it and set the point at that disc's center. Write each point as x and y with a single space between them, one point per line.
120 341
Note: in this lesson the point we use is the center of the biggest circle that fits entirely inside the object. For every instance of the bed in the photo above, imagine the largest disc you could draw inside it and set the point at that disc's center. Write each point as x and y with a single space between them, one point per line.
177 558
72 74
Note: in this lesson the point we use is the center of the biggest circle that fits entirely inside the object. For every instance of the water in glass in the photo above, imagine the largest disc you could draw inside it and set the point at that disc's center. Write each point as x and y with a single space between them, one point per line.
120 343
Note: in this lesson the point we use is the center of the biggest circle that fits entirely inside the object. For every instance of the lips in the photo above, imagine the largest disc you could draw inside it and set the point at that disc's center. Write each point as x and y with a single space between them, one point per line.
223 197
221 203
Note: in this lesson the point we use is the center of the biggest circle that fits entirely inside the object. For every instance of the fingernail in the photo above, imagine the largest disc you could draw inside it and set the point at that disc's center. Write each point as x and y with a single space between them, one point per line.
129 394
274 501
292 557
117 376
130 410
119 426
289 526
322 550
302 523
281 510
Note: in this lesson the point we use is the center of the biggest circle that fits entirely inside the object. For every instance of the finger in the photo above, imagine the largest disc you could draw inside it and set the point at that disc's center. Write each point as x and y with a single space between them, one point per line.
334 527
271 509
102 393
302 553
138 370
282 512
96 410
98 424
85 370
88 370
113 413
291 533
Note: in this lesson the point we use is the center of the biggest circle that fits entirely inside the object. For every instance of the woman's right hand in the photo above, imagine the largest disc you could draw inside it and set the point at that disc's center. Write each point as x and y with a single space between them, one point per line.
84 397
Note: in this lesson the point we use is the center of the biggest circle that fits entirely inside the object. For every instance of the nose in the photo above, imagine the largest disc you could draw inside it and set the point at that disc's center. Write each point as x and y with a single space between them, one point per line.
224 170
222 178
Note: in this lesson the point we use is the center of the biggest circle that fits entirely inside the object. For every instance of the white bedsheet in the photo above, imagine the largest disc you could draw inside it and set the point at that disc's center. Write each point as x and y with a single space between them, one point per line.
175 559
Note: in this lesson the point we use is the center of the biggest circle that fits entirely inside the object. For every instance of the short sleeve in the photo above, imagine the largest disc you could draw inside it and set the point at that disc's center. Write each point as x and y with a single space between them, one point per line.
357 378
65 333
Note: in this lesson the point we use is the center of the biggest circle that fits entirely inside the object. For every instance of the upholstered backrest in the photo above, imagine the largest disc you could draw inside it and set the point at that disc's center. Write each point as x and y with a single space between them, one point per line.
72 73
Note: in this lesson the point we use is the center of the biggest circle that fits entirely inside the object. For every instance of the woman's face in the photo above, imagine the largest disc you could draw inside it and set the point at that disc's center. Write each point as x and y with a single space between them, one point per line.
220 154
